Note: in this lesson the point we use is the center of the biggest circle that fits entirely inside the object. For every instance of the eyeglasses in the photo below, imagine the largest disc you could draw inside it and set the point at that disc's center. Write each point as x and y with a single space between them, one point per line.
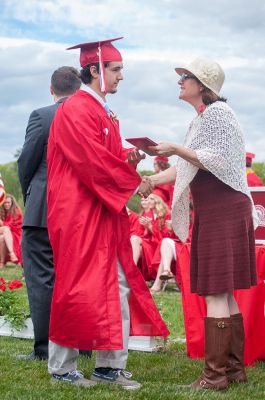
183 77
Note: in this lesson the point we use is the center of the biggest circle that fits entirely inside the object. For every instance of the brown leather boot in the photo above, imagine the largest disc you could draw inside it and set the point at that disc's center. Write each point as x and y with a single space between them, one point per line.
217 333
235 368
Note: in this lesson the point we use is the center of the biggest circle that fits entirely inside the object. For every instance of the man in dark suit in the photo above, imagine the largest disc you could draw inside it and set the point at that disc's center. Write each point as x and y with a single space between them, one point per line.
36 248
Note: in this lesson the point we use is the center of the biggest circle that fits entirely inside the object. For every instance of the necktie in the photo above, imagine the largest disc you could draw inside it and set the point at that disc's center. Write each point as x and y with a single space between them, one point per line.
107 109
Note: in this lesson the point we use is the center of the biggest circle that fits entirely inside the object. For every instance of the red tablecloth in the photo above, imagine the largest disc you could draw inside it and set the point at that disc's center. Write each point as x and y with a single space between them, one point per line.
251 304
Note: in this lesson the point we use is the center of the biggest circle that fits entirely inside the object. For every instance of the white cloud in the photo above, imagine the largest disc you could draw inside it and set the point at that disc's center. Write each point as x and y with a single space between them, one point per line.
159 35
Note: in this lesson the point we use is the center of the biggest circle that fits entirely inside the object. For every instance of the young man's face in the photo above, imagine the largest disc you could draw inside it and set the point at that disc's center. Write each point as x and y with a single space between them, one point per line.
113 74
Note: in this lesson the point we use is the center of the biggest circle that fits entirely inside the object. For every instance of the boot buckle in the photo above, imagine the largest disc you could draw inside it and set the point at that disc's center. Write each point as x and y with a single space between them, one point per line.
203 383
221 324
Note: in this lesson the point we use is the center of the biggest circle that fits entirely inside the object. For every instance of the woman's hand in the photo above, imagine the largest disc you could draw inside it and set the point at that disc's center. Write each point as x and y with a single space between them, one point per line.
164 149
146 222
169 225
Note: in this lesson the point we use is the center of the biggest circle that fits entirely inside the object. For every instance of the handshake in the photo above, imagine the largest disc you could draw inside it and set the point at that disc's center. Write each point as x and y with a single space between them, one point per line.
146 186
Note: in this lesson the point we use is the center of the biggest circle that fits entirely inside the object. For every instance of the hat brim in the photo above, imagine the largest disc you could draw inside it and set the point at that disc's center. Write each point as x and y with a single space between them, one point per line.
181 71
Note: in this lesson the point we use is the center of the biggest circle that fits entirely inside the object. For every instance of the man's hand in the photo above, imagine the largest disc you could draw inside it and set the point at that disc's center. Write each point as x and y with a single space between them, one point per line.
134 156
145 187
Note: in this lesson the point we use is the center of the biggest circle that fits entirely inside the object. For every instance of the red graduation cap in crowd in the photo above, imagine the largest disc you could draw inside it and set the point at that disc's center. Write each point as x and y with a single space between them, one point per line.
98 52
161 158
249 157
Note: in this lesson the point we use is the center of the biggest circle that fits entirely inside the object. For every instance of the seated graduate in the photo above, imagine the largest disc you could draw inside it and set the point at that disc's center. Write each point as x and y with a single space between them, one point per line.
153 229
165 262
134 222
10 231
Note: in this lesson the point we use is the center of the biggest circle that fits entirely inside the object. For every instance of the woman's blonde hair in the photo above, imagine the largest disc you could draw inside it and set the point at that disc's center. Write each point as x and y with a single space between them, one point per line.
161 209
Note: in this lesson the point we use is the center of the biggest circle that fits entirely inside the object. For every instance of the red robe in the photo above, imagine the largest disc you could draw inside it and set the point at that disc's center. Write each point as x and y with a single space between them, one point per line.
89 184
134 222
174 264
15 225
150 244
253 179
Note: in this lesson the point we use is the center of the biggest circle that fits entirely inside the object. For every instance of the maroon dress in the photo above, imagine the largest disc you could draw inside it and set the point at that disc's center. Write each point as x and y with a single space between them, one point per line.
223 243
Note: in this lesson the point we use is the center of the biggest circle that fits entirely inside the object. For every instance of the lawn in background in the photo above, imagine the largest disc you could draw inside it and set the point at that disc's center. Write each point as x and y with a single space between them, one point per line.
158 372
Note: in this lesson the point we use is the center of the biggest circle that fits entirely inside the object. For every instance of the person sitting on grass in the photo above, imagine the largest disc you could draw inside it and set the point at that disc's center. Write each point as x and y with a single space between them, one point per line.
153 230
166 262
164 273
135 236
10 231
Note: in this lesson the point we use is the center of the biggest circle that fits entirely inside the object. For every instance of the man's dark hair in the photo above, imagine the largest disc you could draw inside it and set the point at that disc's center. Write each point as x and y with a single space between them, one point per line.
65 81
85 74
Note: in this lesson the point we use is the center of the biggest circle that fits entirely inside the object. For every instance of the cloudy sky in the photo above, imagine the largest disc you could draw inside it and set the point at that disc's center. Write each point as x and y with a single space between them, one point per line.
158 36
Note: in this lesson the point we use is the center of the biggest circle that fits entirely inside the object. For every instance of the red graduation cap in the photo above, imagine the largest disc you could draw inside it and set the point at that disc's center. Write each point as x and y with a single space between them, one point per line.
161 158
249 157
98 52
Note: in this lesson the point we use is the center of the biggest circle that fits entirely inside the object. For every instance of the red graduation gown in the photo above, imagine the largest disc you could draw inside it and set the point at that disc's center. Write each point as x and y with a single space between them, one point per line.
253 179
15 226
134 222
89 184
151 244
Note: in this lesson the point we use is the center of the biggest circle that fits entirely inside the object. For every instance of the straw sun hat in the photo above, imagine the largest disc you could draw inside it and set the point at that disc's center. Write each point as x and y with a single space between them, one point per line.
209 73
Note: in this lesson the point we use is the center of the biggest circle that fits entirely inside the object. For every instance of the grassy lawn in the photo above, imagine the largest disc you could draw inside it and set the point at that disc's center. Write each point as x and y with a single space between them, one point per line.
158 372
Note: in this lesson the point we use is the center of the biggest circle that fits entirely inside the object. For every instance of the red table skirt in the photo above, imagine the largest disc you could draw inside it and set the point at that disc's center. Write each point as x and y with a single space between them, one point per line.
250 301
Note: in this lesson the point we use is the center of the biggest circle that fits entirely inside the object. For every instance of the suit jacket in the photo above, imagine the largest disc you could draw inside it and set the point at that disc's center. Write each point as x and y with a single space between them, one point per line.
32 166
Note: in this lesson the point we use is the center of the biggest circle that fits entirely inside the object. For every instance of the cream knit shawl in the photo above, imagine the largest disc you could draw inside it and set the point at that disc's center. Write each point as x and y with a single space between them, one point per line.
217 138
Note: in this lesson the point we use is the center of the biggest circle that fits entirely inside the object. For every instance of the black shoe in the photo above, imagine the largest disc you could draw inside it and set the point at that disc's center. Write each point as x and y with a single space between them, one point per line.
115 376
73 377
31 356
86 353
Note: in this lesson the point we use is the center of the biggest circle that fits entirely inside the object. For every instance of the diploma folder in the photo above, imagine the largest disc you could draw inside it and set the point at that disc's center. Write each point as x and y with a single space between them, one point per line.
142 143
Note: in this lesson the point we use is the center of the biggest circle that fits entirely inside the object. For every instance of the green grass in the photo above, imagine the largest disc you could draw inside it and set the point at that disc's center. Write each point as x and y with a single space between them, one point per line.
160 372
14 304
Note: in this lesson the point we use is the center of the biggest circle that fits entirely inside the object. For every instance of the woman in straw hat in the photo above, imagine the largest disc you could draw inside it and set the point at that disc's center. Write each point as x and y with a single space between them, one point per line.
211 164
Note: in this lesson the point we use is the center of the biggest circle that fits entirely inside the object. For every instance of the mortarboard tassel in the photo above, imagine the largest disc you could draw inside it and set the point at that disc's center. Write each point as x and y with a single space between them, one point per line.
101 72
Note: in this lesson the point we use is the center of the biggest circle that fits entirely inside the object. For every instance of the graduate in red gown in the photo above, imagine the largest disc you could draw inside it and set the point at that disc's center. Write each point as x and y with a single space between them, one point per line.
166 190
10 232
99 295
136 234
165 262
153 230
134 222
252 178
